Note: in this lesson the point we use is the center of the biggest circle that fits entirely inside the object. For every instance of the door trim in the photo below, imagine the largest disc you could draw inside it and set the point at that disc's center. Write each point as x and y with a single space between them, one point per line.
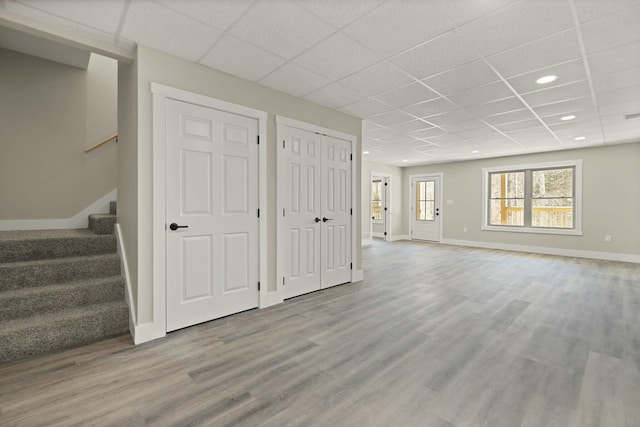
440 200
160 95
281 121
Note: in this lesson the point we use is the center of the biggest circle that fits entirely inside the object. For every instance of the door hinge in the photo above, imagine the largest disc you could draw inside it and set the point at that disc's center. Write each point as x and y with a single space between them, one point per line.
385 184
351 211
283 143
258 285
350 156
282 280
385 209
282 211
351 266
259 141
258 213
385 233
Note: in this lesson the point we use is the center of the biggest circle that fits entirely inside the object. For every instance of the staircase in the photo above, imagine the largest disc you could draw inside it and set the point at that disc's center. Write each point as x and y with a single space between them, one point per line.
60 288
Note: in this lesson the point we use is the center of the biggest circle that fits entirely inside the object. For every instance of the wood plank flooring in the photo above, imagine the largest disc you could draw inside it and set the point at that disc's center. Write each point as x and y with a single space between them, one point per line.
435 335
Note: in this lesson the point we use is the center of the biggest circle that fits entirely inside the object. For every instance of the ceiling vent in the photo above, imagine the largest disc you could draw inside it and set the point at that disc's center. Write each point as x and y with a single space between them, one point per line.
632 116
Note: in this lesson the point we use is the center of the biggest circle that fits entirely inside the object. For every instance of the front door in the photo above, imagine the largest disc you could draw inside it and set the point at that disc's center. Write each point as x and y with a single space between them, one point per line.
212 223
425 208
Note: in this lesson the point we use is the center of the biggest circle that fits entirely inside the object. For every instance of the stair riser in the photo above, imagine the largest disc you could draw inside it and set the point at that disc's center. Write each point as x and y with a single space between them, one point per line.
32 250
48 300
15 277
63 333
102 225
113 207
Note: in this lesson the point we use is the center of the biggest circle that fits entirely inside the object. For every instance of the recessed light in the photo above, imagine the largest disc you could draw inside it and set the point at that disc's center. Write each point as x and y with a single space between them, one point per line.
546 79
475 152
580 138
405 160
569 117
365 152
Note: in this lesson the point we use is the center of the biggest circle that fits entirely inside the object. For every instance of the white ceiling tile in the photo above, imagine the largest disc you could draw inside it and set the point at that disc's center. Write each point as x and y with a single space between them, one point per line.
617 79
477 133
511 116
462 12
481 94
467 76
592 9
467 125
612 30
241 59
522 22
427 133
555 121
616 59
286 30
152 25
629 107
447 119
377 78
337 57
564 126
334 96
391 118
445 139
567 72
392 28
407 95
365 108
411 126
616 96
565 107
558 93
524 124
219 13
444 53
295 80
430 108
495 107
538 54
339 13
103 16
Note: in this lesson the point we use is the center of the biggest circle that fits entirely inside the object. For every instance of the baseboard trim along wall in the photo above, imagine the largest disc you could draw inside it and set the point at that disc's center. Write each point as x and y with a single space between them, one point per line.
357 276
79 220
398 237
608 256
271 298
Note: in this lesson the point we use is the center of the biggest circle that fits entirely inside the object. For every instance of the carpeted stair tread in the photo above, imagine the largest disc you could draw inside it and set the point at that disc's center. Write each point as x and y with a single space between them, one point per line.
15 275
61 329
25 302
49 244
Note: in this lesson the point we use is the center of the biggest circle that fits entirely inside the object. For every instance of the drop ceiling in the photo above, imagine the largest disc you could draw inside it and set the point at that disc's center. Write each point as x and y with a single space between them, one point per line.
433 80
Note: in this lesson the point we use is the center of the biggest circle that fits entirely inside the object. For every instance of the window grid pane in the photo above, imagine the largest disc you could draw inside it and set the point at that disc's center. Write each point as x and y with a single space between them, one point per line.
425 201
376 200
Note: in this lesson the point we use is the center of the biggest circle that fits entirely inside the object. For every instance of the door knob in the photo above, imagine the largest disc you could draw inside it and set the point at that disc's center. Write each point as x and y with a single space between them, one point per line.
175 226
325 219
316 219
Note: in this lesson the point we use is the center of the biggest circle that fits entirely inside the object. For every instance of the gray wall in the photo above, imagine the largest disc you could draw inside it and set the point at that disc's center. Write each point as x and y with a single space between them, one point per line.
158 67
49 114
611 200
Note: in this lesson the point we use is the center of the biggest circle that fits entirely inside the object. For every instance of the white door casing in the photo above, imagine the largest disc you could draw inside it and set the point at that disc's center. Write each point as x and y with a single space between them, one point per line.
330 160
212 191
426 209
335 243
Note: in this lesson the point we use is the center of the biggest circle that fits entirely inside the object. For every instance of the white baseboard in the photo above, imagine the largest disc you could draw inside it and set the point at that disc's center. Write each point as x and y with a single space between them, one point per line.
577 253
375 234
147 332
357 276
270 298
398 237
79 220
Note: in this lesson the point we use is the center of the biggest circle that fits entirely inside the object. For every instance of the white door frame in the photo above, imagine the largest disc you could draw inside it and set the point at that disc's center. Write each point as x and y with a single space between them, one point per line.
282 121
387 202
160 95
440 199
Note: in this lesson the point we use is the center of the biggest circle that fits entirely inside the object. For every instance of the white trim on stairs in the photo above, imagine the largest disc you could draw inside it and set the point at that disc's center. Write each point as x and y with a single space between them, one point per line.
79 220
124 268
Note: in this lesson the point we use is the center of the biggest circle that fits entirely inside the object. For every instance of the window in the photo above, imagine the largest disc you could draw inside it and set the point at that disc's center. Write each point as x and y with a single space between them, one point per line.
376 200
541 198
425 200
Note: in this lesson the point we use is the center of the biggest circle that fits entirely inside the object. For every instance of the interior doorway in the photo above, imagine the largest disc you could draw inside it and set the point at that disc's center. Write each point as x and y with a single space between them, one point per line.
380 206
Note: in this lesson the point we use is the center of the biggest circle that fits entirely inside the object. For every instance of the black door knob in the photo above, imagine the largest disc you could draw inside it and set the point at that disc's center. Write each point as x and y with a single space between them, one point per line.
325 219
316 219
175 226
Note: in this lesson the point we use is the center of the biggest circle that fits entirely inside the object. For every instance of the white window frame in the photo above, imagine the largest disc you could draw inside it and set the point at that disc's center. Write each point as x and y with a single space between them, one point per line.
577 203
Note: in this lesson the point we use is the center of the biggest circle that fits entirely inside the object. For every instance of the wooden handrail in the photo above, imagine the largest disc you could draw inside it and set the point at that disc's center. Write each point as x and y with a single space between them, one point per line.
101 143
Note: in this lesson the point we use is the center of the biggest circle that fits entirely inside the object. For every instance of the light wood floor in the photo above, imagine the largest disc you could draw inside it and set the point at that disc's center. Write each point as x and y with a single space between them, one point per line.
435 336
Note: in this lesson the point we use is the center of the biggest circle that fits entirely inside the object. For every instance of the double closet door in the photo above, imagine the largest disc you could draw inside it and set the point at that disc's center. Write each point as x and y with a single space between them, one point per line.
314 226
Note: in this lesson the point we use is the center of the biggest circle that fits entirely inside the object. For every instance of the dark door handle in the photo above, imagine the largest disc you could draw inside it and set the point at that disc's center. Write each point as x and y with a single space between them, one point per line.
316 219
325 219
175 226
437 211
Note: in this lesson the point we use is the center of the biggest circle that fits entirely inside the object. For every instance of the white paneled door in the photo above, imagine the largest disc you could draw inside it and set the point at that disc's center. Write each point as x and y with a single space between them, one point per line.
211 209
425 208
314 186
